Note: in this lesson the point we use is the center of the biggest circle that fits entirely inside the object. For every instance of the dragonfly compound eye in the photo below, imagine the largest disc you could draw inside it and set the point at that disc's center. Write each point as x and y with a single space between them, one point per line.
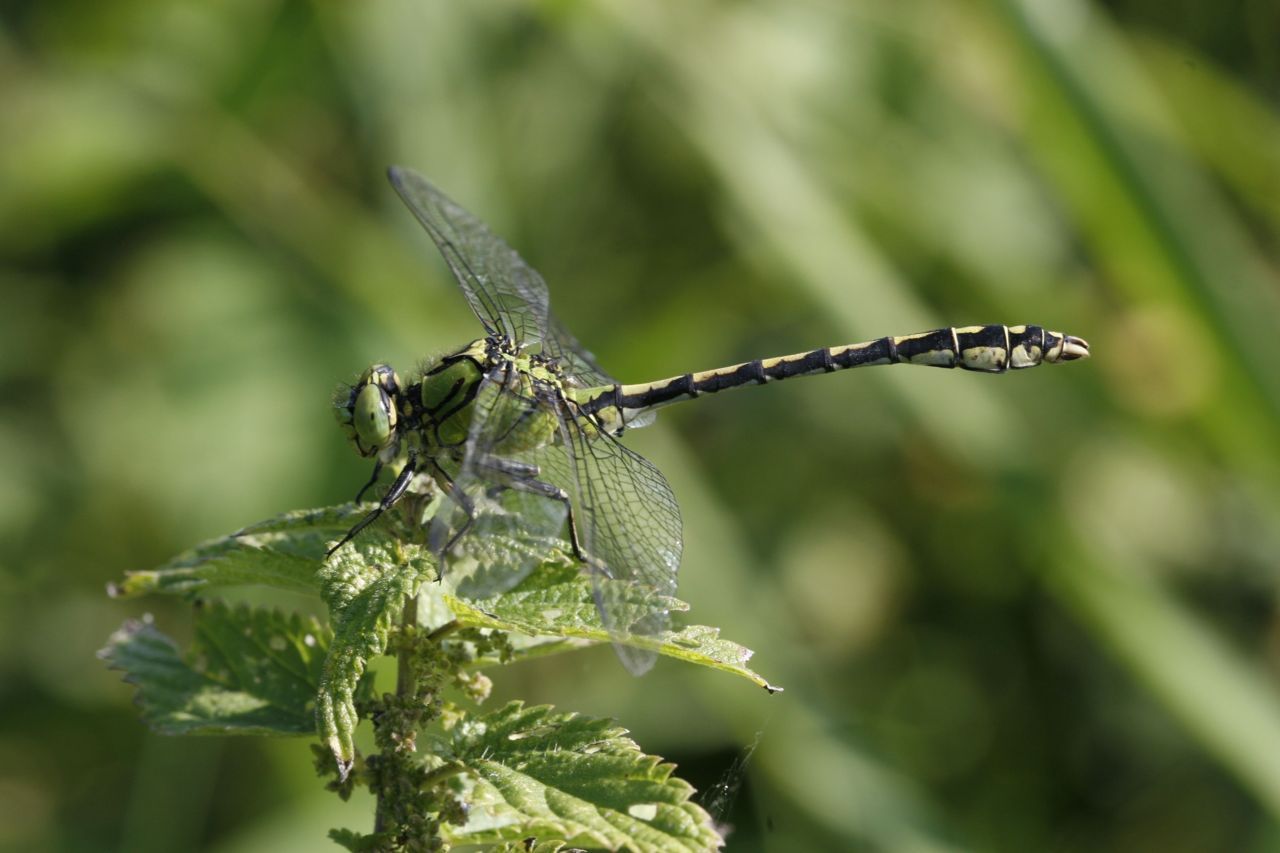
367 412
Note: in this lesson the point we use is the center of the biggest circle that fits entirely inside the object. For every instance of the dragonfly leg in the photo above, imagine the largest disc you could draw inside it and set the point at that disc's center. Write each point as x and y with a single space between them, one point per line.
377 469
464 503
389 500
511 469
523 477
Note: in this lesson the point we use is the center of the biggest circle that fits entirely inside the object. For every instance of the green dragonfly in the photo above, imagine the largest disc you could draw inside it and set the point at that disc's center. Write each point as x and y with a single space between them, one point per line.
519 429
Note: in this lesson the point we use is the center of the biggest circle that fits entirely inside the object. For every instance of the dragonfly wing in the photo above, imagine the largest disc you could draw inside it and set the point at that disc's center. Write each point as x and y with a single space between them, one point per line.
579 364
494 527
628 524
507 294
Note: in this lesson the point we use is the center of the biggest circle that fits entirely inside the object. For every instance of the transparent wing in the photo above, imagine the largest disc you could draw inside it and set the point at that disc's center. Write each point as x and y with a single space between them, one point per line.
508 295
500 519
628 523
497 522
578 363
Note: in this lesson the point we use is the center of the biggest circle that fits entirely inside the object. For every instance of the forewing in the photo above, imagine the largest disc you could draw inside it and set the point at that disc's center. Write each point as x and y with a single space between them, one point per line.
489 534
628 523
579 364
508 295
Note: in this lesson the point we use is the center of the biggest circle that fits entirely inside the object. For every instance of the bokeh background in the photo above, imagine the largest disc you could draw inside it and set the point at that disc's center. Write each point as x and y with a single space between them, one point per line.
1028 612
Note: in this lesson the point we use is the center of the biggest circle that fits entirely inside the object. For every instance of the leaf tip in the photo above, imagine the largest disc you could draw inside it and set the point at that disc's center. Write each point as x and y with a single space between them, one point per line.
342 756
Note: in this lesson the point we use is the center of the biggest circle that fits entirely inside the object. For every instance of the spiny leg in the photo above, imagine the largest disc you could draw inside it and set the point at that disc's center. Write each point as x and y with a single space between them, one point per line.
389 500
377 469
523 477
464 503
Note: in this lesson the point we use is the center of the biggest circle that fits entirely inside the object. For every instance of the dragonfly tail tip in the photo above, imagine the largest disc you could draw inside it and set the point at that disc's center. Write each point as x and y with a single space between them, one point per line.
1073 348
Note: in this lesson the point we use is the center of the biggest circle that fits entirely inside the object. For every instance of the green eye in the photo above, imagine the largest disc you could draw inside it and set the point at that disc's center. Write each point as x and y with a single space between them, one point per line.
373 419
367 411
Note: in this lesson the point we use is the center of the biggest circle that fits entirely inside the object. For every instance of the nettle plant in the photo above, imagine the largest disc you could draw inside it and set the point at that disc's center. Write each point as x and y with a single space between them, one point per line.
445 770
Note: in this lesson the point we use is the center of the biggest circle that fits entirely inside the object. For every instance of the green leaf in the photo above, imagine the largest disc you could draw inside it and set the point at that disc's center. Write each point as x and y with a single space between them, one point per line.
358 842
527 845
252 672
365 584
571 778
557 601
524 647
283 552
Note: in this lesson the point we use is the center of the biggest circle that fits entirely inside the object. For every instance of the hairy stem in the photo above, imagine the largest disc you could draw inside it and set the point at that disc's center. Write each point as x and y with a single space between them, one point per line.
404 671
405 686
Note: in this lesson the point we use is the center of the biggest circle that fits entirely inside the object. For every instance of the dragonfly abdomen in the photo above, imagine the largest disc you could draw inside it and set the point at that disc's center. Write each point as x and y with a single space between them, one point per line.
986 349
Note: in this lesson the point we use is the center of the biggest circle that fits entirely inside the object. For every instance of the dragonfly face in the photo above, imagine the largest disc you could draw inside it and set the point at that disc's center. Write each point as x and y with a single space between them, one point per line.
368 410
519 429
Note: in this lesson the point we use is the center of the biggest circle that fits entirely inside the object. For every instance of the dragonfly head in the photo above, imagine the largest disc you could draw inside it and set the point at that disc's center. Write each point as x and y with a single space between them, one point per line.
366 411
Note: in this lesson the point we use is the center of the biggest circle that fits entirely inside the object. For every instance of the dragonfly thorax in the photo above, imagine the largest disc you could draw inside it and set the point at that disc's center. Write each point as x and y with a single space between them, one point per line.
446 395
442 398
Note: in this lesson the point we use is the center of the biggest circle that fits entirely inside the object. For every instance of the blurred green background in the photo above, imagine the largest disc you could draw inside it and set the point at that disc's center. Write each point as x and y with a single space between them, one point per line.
1026 612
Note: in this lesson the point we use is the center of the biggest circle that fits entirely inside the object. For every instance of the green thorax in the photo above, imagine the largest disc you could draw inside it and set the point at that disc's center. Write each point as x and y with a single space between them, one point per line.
518 406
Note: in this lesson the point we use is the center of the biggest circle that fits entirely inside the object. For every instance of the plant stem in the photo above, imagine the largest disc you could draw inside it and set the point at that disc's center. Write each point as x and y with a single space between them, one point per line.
404 686
408 621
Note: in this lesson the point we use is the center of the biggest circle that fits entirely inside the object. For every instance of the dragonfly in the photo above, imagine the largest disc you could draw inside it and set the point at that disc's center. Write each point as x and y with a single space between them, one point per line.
520 429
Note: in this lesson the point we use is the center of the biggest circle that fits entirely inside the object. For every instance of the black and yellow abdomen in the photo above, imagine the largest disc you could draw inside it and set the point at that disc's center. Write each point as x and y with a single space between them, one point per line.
986 349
